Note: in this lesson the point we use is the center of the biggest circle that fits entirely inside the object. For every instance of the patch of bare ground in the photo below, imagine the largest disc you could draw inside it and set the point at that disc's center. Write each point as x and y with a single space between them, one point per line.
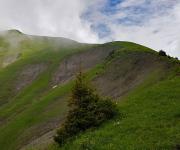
124 74
28 74
87 59
41 142
39 135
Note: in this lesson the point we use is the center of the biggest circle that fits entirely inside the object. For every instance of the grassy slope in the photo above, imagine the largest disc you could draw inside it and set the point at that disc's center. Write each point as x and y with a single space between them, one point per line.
151 122
28 114
149 118
18 111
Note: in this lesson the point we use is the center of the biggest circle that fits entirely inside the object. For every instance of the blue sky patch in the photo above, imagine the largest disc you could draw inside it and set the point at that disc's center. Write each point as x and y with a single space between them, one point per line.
113 3
134 14
102 30
110 8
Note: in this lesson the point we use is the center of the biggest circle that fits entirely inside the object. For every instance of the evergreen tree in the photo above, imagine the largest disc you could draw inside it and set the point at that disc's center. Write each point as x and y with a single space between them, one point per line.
87 109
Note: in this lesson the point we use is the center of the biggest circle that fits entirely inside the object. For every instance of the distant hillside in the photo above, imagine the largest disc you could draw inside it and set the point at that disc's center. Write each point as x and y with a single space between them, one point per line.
36 76
15 45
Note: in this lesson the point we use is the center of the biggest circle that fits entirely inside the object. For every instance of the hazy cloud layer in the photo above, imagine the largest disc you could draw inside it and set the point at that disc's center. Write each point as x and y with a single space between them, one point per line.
47 17
154 23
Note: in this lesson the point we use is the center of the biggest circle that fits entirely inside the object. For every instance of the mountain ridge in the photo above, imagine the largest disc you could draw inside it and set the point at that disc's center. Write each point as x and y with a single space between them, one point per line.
36 86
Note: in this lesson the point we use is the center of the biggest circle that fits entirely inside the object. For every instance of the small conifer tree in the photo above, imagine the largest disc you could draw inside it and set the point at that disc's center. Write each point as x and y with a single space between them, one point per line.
87 109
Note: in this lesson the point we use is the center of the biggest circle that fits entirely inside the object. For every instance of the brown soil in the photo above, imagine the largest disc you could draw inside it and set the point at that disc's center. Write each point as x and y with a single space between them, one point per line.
40 134
124 74
28 74
88 59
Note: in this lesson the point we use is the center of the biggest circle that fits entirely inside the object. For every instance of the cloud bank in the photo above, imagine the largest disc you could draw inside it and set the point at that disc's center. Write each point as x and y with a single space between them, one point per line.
154 23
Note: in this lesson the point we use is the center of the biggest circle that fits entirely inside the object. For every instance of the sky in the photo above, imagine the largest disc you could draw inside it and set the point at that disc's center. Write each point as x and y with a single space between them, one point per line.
153 23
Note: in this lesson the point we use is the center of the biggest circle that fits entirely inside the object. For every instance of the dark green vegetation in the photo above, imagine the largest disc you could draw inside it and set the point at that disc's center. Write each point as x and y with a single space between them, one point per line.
162 53
87 110
36 76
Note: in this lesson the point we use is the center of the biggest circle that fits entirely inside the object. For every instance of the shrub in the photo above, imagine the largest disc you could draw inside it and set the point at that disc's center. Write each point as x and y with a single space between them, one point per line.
176 58
169 56
87 109
162 53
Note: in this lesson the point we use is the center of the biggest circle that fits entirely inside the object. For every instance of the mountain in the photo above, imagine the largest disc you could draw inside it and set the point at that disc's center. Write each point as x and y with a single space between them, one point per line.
36 76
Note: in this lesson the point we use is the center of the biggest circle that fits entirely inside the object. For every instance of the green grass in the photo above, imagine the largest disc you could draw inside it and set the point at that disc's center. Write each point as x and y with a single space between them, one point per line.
29 117
18 110
150 113
149 119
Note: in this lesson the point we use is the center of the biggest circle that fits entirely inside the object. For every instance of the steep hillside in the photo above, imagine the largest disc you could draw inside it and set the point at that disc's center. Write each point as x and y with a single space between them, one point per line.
148 119
35 86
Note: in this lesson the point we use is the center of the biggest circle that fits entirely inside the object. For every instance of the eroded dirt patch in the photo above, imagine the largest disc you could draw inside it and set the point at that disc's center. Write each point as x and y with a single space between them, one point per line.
88 59
124 74
28 74
40 134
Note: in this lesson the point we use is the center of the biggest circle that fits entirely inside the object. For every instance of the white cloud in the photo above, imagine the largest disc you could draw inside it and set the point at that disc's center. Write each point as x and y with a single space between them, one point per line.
160 29
46 17
160 32
129 3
